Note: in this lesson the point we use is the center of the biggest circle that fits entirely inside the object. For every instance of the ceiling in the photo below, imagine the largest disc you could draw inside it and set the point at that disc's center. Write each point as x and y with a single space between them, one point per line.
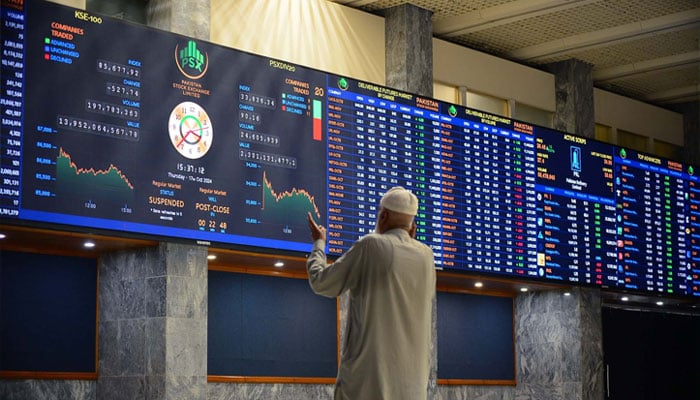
643 49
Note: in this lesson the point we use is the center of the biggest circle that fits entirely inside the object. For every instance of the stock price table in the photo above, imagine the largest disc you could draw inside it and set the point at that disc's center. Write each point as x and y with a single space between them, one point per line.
576 209
475 180
656 224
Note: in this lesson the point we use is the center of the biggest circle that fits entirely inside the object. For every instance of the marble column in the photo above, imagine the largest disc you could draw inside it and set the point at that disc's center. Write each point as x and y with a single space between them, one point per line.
130 10
559 345
573 81
186 17
153 323
691 131
409 49
409 67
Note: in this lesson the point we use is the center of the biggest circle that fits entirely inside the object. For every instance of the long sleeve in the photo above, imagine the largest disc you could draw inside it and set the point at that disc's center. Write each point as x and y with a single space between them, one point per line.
332 280
386 353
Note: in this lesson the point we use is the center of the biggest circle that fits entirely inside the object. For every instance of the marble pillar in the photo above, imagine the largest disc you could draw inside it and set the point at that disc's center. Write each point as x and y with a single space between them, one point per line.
153 302
691 131
153 323
130 10
573 81
185 17
409 49
559 345
409 68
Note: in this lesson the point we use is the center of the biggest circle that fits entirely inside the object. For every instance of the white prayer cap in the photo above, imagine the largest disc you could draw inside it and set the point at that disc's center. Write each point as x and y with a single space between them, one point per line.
400 200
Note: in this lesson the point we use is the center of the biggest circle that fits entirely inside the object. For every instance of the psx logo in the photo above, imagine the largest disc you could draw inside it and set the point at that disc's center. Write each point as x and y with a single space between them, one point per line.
191 61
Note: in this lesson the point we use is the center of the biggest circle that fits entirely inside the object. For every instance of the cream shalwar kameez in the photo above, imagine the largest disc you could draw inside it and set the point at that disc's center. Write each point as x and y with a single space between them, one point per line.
391 279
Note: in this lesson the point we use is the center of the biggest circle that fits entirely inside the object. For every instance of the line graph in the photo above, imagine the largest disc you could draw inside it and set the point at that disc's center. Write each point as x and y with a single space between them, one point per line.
104 184
286 207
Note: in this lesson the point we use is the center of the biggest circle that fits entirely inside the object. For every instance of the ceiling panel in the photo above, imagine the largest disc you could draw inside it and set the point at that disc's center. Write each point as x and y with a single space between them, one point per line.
639 50
646 85
636 48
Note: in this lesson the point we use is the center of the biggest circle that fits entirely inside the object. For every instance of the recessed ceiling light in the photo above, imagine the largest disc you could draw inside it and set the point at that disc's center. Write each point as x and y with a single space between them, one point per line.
89 244
567 294
211 257
659 303
523 289
625 298
478 284
2 236
279 264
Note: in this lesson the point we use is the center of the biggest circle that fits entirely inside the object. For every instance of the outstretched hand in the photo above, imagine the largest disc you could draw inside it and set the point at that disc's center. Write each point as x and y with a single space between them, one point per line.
317 231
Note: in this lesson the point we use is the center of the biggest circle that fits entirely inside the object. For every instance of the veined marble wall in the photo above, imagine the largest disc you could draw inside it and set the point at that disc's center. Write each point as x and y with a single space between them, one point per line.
153 324
23 389
87 390
255 391
477 393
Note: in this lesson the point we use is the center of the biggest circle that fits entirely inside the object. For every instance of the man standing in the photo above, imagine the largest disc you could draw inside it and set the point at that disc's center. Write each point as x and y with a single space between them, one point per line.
391 279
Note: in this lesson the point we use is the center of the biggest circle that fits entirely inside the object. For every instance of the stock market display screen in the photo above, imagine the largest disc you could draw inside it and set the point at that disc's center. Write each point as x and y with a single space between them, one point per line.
164 135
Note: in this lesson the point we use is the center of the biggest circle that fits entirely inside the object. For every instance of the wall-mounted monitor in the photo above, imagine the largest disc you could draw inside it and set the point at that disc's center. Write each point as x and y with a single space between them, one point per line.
117 126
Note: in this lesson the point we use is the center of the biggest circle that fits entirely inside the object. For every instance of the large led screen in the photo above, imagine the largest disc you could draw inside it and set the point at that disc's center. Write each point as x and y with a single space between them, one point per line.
164 135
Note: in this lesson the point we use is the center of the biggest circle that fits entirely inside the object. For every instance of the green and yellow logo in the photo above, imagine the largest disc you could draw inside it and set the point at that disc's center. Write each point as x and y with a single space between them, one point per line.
191 61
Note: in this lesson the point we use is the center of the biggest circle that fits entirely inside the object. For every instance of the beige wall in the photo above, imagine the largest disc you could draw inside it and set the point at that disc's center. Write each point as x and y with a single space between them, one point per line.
312 33
638 117
71 3
479 72
446 92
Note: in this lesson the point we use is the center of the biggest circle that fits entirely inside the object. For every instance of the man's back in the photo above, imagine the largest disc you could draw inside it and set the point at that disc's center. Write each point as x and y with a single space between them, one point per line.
391 281
391 278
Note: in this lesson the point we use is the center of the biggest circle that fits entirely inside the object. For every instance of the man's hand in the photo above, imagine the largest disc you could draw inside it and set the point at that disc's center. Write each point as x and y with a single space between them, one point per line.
317 231
413 230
